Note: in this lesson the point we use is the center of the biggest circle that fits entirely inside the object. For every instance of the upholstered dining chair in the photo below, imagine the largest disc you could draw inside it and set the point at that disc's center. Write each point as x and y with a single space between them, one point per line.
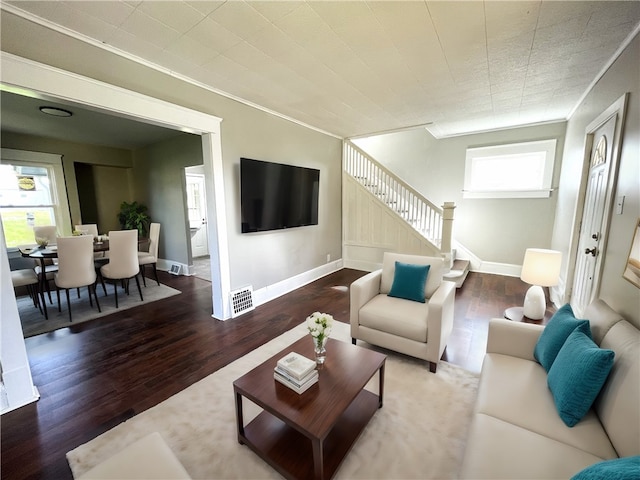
406 306
76 268
150 257
92 229
26 277
88 229
47 232
123 260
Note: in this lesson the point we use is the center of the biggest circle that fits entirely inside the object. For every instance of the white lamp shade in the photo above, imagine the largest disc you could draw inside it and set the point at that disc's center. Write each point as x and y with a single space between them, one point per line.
541 267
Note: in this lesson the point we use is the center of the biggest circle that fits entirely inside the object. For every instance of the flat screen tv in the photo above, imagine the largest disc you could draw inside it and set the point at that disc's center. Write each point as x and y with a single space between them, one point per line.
274 196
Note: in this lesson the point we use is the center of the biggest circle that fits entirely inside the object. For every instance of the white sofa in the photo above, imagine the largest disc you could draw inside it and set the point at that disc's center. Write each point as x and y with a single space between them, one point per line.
417 329
516 431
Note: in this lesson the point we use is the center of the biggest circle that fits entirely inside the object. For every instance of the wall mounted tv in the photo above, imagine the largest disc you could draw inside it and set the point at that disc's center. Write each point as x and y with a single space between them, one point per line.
274 196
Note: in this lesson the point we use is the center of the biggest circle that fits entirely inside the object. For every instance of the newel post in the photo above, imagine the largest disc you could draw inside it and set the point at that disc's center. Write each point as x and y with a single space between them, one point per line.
447 229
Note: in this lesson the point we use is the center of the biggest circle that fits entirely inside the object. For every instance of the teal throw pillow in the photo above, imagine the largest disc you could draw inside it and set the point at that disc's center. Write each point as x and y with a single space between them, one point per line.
626 468
577 375
555 333
409 281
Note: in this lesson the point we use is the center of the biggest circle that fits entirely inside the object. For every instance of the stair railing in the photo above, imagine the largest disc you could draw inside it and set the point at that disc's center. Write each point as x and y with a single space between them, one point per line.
433 223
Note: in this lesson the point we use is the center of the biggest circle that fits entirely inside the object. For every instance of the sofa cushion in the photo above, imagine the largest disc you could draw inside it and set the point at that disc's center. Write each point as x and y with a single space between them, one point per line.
515 390
434 278
499 450
601 319
617 404
396 316
409 281
555 333
627 468
577 375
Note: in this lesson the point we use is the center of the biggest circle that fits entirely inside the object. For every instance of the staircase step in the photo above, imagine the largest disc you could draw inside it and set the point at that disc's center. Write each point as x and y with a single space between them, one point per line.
458 272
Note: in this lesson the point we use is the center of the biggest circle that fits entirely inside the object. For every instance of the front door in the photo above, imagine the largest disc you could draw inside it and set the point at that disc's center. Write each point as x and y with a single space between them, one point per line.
196 204
606 139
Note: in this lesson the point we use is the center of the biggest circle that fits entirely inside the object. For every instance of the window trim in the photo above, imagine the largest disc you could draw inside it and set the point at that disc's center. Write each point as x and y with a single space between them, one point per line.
548 146
53 162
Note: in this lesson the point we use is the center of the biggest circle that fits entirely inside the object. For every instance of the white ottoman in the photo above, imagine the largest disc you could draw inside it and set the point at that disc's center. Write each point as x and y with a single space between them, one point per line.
146 459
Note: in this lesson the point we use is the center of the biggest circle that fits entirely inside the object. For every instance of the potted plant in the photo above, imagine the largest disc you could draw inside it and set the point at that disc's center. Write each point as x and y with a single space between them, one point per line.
133 216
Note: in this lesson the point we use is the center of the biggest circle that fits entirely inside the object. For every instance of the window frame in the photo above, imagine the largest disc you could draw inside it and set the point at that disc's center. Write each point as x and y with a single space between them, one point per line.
53 163
477 153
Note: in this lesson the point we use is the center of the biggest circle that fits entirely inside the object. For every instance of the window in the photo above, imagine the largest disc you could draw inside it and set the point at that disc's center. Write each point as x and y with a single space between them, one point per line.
518 170
31 194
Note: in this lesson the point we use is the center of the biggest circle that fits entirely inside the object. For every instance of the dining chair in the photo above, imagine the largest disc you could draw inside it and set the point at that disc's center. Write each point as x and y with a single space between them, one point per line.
26 277
47 232
76 268
123 260
92 229
150 257
88 229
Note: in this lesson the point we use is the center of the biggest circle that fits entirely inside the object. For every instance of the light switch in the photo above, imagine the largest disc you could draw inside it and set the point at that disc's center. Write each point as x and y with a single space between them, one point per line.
619 204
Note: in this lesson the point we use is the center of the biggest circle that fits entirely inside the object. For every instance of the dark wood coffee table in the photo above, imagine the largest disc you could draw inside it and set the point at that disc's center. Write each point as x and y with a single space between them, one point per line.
308 435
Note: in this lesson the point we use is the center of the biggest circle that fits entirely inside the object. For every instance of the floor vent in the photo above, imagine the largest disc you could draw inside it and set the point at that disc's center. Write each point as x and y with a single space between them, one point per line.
241 301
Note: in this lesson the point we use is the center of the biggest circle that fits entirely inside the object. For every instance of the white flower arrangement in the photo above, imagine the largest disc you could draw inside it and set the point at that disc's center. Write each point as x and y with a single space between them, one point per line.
319 326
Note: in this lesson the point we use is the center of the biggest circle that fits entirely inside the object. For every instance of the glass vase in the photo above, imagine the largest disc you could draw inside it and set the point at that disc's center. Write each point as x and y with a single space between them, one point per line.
321 352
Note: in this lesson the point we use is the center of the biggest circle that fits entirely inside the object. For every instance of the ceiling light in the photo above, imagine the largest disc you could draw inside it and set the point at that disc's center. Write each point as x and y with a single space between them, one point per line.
56 112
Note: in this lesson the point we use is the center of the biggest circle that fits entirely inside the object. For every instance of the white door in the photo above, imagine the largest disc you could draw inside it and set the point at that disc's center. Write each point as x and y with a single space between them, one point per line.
197 207
597 207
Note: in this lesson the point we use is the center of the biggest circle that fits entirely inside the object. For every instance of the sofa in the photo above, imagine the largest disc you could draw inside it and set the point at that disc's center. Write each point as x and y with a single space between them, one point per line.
392 309
516 429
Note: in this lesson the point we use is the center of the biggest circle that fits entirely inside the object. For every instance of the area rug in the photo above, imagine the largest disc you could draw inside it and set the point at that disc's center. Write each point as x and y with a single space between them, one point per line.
34 323
420 431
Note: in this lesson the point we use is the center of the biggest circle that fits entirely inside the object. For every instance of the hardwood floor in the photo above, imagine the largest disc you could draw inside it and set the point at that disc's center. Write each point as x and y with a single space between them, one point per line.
96 375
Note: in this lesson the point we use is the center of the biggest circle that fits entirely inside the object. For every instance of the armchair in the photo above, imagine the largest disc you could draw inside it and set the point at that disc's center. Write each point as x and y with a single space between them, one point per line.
417 329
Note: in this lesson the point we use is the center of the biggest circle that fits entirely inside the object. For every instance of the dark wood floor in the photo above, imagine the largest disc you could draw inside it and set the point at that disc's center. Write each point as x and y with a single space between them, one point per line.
96 375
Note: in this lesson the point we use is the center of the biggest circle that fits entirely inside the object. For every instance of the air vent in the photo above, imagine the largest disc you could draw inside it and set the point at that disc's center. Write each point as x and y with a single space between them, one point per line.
241 301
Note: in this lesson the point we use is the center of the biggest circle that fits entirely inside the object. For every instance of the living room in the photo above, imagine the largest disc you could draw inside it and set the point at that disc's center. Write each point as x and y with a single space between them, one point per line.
254 133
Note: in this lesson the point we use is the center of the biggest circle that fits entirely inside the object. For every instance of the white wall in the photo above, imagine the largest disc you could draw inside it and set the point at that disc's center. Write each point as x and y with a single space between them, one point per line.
257 259
16 372
623 76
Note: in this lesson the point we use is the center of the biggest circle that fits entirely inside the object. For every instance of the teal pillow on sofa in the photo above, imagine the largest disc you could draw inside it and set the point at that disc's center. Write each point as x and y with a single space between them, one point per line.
577 375
555 333
626 468
409 281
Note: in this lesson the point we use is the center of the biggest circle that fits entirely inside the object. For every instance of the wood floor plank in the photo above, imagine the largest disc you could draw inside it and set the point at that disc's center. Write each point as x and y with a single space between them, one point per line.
95 375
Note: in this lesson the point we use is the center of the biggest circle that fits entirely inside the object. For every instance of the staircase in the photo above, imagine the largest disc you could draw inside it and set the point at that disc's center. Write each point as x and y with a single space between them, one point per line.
431 223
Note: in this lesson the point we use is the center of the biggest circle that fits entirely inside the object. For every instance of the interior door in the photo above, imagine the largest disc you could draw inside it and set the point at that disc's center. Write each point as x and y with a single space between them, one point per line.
196 205
606 138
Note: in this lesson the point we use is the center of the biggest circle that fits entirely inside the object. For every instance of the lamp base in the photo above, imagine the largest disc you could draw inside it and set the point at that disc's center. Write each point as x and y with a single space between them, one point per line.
534 303
516 314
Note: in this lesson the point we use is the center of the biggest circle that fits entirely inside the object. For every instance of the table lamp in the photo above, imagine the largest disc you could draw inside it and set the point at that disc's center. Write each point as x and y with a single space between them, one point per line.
541 268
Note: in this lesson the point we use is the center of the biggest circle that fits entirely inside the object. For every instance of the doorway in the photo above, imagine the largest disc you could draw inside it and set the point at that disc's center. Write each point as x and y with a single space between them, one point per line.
197 214
39 81
603 139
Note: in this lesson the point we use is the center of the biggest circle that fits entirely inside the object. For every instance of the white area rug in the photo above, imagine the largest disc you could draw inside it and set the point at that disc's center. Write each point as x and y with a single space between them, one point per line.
420 431
34 323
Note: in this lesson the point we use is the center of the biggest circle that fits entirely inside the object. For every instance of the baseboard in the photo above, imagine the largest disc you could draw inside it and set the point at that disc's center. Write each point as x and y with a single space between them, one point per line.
362 265
271 292
165 266
34 398
495 268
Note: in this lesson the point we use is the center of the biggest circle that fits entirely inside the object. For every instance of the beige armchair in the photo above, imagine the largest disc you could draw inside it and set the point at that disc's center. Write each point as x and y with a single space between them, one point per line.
417 329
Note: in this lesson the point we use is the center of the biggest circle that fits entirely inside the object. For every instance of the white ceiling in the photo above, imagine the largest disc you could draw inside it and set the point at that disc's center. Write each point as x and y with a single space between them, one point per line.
356 68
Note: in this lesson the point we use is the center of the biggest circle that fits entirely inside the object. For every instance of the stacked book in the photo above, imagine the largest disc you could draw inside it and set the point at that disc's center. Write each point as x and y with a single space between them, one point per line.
296 372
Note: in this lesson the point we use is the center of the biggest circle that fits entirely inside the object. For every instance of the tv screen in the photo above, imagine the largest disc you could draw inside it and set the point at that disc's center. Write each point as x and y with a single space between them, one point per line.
275 196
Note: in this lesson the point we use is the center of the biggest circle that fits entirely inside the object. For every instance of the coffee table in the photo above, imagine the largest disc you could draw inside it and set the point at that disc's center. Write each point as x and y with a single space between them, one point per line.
308 435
